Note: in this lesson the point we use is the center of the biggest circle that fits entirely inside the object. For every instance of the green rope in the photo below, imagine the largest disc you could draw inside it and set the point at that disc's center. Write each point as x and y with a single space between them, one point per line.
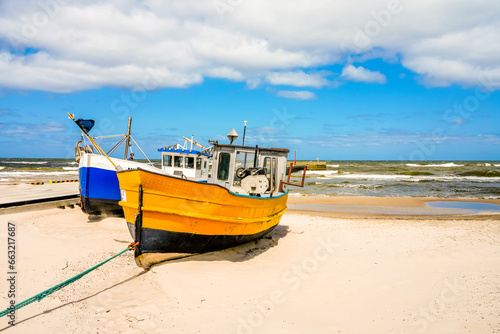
58 287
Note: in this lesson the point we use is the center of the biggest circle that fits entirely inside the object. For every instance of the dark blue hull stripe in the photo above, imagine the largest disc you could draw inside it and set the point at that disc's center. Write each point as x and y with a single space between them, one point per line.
161 241
97 206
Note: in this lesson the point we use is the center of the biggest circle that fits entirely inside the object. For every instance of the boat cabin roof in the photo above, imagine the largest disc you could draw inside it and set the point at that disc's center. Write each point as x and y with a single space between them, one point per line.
250 148
182 151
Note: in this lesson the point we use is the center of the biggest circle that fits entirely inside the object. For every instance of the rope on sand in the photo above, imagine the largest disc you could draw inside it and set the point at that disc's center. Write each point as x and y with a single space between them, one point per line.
58 287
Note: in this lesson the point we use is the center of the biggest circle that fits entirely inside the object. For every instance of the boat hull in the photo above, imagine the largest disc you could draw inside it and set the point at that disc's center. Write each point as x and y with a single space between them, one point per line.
98 206
162 241
182 216
99 187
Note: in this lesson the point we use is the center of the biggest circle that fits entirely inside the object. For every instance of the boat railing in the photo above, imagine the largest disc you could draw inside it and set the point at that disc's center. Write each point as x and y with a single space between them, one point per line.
287 182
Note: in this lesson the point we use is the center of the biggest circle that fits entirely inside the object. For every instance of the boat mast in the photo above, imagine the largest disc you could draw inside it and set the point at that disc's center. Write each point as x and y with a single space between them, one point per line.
127 142
193 142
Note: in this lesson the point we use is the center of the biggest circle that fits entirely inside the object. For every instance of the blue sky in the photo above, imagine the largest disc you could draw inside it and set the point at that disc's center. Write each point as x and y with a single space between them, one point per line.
362 80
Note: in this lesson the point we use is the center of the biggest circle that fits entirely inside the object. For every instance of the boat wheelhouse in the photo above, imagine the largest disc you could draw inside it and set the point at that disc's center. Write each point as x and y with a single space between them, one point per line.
185 163
249 170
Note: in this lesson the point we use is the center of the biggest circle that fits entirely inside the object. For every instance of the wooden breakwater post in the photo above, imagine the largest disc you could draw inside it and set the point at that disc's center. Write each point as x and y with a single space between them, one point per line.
311 165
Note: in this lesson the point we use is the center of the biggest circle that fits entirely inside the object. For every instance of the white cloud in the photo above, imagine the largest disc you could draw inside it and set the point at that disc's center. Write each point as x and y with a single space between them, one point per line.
299 79
361 74
458 121
225 72
91 44
298 95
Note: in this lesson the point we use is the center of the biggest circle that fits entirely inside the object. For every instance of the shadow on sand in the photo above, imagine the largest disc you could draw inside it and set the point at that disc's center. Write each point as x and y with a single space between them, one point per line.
241 253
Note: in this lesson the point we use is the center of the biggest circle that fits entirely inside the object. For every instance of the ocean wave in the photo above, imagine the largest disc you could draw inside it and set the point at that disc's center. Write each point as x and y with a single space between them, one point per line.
333 166
358 186
70 168
25 162
447 165
2 167
321 173
315 183
416 173
481 173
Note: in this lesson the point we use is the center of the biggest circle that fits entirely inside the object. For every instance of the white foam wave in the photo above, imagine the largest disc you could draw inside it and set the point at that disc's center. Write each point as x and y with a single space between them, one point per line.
26 162
333 166
447 165
2 167
319 172
70 168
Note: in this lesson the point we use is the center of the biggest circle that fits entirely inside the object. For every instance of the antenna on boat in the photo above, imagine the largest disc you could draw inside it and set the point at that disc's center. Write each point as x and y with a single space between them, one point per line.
244 132
232 136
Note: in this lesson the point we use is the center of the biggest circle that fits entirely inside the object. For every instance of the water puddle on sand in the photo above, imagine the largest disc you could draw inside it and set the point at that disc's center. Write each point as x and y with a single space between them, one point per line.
476 207
433 208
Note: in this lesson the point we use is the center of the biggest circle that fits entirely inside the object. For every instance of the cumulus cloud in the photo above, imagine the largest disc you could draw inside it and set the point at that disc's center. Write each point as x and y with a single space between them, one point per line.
299 79
71 45
298 95
361 74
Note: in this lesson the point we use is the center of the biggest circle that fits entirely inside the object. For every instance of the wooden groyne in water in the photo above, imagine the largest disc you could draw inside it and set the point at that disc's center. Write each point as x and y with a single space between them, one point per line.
311 165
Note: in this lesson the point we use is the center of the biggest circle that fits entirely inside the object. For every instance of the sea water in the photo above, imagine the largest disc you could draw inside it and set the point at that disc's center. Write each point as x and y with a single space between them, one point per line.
25 170
442 179
22 170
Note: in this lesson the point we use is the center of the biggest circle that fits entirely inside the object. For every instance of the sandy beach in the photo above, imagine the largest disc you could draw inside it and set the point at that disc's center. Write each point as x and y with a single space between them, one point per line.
317 272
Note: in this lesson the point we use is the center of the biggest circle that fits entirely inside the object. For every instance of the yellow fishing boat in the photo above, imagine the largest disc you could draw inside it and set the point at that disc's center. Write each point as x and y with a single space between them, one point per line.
242 200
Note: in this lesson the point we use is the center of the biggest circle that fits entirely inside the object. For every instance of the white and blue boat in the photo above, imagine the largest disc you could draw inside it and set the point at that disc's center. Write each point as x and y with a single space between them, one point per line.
99 187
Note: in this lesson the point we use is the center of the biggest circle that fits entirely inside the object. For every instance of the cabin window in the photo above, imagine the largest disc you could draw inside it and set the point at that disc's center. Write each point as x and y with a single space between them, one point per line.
275 162
267 164
189 162
198 163
274 181
178 162
243 160
205 165
267 167
223 170
167 160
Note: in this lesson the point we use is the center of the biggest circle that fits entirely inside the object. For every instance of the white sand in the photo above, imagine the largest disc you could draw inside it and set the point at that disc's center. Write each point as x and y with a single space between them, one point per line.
311 275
